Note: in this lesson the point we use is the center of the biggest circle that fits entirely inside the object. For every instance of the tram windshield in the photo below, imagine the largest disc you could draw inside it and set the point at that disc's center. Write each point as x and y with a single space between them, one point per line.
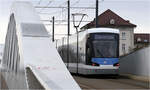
105 45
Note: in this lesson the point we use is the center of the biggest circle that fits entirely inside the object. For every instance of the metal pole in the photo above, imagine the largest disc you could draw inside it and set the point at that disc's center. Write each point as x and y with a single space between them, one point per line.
68 33
76 26
63 49
53 19
96 18
77 47
68 17
56 44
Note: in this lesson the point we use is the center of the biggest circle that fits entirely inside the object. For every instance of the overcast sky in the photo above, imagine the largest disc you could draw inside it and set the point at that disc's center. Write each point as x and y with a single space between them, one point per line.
137 11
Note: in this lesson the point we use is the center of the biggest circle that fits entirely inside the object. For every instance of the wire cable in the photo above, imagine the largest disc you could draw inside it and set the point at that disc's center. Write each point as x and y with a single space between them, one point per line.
47 5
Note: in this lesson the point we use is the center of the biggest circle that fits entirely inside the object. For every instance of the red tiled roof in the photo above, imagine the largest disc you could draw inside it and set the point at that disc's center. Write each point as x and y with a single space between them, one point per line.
105 18
142 38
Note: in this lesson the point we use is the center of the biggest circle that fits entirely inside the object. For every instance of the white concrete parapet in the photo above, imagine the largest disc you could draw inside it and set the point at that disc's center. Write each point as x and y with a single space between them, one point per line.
29 45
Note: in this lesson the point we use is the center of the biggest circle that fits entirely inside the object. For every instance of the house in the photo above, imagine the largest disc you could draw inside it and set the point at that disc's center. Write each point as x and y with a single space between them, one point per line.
141 40
110 19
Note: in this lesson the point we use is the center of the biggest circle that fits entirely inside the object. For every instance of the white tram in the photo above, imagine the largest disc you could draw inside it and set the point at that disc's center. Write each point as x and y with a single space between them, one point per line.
98 51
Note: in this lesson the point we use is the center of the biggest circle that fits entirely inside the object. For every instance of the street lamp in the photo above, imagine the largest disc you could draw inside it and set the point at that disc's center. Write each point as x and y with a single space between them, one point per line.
76 27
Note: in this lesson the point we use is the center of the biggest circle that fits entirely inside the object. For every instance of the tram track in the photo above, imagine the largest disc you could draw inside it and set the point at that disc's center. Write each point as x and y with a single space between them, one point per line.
84 86
131 82
110 83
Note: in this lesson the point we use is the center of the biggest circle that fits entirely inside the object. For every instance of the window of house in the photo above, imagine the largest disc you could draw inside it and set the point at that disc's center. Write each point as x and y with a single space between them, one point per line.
123 35
123 48
145 40
138 39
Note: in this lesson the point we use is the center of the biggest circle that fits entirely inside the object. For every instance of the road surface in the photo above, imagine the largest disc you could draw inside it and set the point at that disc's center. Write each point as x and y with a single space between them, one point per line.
2 83
102 82
109 82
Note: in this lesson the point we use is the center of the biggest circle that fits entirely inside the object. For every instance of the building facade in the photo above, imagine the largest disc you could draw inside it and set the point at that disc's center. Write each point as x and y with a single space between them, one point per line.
109 19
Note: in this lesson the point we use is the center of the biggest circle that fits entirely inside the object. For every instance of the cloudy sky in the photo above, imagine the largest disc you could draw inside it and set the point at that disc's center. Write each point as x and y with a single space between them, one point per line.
137 11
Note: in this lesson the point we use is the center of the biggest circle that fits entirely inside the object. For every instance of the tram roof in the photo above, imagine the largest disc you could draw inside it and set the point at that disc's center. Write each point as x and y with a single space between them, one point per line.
103 30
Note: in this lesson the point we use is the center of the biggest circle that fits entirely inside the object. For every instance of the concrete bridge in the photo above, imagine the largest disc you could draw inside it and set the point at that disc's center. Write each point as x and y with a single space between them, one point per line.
30 59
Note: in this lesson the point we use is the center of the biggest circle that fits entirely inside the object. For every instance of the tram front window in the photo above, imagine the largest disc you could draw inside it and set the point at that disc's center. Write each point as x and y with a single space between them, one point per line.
105 48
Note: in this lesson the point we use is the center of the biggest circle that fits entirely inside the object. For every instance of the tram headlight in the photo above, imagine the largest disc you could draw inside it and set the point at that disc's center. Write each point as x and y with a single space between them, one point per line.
95 64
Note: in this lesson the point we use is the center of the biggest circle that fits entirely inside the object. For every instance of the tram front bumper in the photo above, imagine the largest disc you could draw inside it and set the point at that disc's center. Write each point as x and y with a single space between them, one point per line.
98 71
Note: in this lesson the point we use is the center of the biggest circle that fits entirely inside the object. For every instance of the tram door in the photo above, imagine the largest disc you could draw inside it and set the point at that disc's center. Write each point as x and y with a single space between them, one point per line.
88 52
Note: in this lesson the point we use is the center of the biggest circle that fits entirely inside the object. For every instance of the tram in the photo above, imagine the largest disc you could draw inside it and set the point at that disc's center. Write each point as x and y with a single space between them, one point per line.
98 51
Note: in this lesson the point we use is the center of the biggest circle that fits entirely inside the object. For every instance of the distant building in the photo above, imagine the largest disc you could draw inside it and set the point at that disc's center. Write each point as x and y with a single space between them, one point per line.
110 19
141 40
